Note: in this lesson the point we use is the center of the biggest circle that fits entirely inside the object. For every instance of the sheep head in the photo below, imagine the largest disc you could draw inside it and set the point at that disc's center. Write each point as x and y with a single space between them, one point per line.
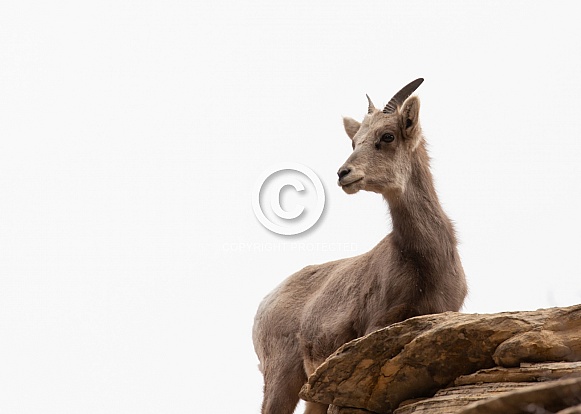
383 145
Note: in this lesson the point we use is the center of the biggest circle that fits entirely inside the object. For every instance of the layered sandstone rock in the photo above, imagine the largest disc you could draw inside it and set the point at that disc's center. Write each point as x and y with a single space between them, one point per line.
461 360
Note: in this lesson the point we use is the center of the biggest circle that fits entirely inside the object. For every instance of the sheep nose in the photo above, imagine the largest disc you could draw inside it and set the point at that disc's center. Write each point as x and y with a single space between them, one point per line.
343 172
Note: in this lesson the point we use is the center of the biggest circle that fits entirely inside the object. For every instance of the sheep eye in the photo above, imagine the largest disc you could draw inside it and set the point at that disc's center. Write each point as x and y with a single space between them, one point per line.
387 137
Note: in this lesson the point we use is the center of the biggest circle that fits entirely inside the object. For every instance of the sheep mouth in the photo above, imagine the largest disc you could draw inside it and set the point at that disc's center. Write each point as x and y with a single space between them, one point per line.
350 182
353 186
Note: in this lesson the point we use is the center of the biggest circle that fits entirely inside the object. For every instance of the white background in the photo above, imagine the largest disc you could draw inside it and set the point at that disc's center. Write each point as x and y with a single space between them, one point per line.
132 133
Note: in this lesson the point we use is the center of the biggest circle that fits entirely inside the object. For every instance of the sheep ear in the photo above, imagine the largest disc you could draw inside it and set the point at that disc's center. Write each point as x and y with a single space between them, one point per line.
410 114
410 118
351 126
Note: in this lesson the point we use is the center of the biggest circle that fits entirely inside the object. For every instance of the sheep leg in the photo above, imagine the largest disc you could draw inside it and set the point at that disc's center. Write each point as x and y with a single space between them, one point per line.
312 407
316 408
281 389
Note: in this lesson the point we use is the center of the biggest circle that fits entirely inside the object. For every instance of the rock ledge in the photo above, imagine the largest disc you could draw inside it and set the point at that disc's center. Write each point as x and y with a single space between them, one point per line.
458 363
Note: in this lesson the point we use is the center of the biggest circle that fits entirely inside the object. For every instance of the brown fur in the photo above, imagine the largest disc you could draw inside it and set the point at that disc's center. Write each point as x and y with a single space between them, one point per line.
414 270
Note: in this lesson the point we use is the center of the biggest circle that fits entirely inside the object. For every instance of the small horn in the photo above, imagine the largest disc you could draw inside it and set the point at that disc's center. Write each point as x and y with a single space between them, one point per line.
401 96
371 107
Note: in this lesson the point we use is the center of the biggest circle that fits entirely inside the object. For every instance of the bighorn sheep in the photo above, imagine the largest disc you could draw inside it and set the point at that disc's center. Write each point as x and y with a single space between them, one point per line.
414 270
